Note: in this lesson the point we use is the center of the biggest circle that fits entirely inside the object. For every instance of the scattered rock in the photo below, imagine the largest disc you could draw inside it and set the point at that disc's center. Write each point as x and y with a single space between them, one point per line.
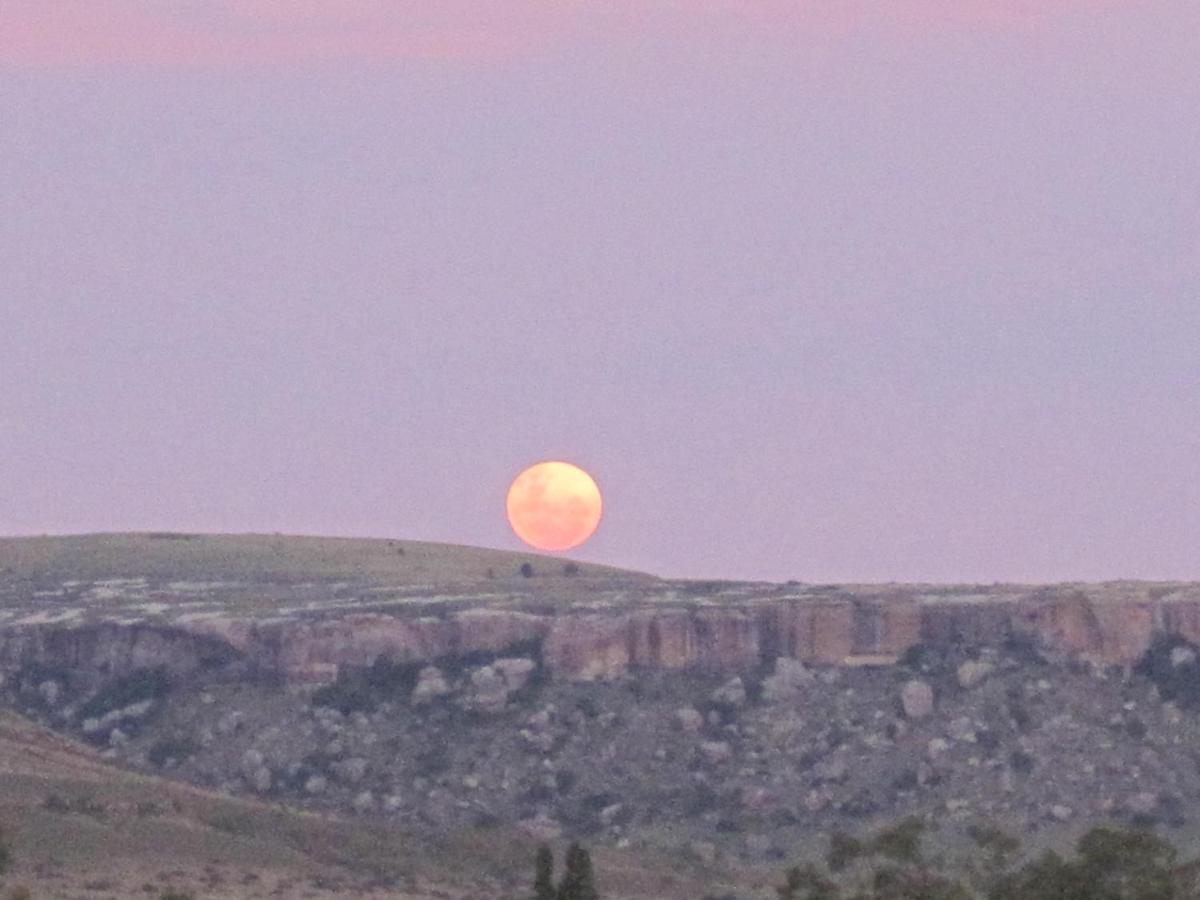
689 719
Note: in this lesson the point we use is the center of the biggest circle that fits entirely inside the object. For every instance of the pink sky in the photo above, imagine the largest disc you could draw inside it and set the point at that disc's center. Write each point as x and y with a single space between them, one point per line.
227 32
905 290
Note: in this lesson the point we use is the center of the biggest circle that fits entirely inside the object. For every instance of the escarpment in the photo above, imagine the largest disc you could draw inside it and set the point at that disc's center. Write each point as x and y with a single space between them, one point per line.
613 634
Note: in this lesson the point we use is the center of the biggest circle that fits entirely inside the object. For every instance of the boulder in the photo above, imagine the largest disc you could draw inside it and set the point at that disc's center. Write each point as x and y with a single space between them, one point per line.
363 802
431 685
252 760
973 672
916 697
731 693
49 691
1061 813
231 722
689 719
349 771
261 780
962 729
516 671
1183 656
832 769
716 752
790 678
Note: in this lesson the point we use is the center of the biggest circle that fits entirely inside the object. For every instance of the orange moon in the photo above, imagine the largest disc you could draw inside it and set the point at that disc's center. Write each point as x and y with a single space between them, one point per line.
554 506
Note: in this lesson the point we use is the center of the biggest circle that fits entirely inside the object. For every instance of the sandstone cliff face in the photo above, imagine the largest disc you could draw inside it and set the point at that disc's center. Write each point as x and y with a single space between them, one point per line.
1110 625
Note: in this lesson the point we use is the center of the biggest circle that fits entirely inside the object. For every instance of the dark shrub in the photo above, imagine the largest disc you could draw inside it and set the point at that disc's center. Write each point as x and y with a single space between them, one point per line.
901 842
362 689
134 687
1176 675
843 850
1022 763
177 748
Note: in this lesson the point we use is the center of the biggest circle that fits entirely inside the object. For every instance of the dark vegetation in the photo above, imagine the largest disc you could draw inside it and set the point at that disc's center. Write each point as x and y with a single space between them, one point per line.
134 687
364 688
1173 664
171 748
1108 864
578 881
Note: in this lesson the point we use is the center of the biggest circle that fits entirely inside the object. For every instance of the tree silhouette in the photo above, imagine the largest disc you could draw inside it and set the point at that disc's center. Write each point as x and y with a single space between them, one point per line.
578 882
543 879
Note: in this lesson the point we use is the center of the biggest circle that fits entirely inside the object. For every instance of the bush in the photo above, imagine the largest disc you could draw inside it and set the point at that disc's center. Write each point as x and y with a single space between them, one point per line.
902 842
526 570
177 748
134 687
843 850
362 689
5 855
1176 675
1021 762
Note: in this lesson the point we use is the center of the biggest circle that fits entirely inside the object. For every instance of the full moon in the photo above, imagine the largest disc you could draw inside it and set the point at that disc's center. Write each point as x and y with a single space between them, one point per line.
554 506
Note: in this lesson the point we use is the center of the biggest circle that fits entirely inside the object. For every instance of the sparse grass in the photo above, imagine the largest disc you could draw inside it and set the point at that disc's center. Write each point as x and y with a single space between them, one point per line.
208 845
258 557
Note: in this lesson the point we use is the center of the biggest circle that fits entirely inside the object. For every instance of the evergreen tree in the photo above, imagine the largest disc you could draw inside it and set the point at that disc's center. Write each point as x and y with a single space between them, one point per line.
578 882
543 879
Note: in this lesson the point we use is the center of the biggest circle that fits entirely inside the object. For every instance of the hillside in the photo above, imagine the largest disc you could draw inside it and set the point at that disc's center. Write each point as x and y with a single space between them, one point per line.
389 709
78 826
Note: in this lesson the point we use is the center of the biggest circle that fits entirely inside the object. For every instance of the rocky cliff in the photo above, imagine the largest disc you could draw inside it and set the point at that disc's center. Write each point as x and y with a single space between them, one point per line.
672 627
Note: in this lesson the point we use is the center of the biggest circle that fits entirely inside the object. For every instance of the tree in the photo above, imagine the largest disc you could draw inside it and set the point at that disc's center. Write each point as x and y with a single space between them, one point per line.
806 883
578 882
527 570
5 855
543 879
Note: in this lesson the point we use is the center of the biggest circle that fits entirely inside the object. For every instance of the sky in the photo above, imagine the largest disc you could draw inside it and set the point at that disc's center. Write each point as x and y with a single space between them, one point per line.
824 290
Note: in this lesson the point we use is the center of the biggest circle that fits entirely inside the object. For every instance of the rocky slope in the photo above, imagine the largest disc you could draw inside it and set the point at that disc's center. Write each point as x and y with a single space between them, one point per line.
432 686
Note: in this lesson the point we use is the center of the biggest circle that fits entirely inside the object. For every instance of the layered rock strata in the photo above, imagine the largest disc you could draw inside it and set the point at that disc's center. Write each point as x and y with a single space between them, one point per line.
729 632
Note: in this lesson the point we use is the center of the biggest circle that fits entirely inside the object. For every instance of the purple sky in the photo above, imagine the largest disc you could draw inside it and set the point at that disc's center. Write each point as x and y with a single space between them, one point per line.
813 290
